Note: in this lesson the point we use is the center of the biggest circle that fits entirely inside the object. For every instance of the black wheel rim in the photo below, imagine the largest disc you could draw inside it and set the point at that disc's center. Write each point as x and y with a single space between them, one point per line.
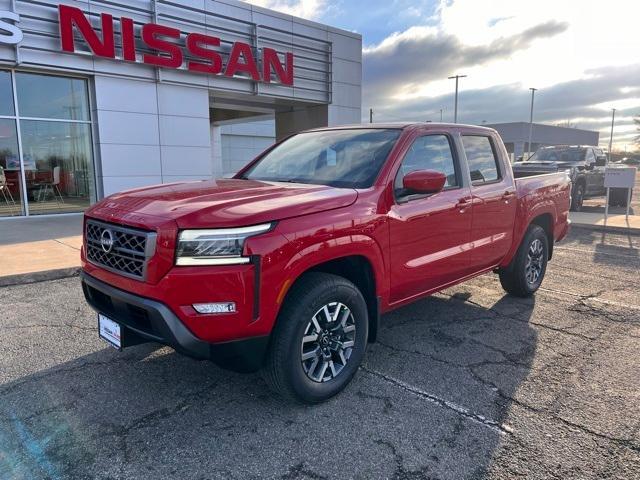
327 342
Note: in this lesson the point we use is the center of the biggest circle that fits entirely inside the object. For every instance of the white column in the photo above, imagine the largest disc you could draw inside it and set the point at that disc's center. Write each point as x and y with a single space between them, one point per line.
151 133
346 87
216 150
185 137
126 119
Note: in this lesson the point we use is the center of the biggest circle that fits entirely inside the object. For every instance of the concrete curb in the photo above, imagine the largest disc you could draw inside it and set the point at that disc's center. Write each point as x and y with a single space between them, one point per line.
34 277
607 229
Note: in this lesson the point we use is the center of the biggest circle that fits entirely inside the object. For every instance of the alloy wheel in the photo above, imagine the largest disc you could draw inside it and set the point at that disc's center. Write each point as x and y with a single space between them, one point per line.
534 264
327 342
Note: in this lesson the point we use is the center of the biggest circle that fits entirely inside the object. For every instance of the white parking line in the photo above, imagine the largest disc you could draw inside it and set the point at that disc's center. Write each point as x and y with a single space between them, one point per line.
465 412
590 299
583 250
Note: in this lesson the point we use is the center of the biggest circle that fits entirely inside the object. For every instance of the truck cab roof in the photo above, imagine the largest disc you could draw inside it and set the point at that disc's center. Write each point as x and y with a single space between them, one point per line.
409 126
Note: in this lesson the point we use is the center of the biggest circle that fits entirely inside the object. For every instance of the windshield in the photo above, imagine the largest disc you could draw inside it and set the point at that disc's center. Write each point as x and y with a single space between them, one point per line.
337 158
567 154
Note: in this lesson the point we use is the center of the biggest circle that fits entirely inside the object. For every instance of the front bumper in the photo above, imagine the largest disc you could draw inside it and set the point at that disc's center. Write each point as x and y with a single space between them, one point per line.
153 321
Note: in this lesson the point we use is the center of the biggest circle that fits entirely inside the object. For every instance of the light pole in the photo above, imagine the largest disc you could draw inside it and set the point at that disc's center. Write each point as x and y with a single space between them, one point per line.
533 92
440 115
455 108
606 205
613 119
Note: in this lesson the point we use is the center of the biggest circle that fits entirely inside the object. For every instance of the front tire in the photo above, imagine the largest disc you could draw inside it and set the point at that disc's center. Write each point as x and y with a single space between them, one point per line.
319 340
527 269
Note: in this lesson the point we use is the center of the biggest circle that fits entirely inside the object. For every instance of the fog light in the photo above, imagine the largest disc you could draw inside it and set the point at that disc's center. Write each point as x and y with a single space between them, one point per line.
225 307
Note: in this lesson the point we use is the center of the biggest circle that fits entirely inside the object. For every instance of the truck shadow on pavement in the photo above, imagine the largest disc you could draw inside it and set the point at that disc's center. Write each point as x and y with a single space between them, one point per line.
431 401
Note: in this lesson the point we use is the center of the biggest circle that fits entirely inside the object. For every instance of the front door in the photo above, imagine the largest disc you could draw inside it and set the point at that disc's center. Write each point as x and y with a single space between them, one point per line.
494 202
593 174
429 233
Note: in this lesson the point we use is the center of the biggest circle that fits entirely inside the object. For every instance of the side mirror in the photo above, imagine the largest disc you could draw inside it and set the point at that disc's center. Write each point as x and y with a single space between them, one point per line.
424 181
601 161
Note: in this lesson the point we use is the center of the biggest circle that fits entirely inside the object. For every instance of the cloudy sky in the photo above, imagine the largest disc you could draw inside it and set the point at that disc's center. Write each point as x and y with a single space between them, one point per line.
582 55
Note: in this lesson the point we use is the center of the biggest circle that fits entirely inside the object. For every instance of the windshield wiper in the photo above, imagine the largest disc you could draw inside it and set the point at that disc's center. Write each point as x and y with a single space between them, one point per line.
289 180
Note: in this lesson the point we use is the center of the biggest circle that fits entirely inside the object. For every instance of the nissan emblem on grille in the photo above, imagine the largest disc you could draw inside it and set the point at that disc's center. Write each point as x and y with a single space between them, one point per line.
106 240
119 249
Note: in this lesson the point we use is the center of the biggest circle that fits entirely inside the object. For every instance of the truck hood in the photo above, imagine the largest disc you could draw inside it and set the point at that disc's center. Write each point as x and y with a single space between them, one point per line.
227 202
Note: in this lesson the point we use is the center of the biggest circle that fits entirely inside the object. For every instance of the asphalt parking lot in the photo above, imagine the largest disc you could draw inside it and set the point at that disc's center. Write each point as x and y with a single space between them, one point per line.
469 383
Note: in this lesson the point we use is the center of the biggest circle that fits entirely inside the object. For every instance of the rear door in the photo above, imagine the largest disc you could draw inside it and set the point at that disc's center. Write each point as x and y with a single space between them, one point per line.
429 234
494 201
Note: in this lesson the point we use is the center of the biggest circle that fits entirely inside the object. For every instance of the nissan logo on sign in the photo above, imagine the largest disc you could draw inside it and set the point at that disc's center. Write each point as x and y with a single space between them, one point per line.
196 52
9 32
106 240
171 49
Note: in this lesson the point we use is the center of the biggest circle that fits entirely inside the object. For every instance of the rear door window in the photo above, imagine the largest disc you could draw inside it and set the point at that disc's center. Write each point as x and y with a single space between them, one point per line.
481 159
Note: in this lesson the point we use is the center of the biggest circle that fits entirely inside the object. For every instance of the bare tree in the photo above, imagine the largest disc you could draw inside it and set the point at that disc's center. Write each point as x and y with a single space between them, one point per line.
636 120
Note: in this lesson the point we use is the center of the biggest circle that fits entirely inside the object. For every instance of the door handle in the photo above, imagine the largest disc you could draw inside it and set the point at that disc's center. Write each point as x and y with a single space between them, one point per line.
463 203
508 195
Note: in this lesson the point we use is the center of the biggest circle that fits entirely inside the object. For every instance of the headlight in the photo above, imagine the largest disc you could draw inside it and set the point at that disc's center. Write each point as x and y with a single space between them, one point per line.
222 246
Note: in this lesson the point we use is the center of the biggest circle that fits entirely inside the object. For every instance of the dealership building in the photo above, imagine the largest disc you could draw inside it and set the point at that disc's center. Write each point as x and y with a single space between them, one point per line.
516 136
101 96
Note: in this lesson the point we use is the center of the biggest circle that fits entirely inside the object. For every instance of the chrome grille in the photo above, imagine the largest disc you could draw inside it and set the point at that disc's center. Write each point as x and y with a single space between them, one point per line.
119 249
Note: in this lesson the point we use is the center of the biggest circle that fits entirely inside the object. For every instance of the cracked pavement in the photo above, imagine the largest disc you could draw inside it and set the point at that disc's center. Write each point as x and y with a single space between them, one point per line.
469 383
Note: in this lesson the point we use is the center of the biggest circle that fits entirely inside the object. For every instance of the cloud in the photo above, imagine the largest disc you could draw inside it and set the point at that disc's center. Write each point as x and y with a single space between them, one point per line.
504 47
494 21
580 76
585 102
404 62
309 9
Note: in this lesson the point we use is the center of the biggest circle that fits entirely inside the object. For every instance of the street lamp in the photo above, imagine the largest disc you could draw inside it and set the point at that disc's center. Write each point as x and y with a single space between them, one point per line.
613 119
533 92
455 108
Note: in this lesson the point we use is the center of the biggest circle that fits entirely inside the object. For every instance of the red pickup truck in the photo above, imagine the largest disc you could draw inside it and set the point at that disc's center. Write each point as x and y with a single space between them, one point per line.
287 267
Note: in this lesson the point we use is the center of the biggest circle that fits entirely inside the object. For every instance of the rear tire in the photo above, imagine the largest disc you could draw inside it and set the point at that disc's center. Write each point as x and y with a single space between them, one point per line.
525 273
319 339
577 199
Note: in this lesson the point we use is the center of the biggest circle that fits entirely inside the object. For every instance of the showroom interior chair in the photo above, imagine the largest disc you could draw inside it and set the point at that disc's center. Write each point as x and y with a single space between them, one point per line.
6 193
53 187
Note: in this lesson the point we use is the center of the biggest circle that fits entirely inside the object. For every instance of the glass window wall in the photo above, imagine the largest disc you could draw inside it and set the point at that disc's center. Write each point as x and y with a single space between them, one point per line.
48 167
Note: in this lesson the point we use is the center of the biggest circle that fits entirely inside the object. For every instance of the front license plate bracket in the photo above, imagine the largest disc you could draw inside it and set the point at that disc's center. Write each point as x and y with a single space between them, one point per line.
110 331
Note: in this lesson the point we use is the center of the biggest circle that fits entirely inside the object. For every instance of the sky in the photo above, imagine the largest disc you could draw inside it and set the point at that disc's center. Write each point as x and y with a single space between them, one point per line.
583 56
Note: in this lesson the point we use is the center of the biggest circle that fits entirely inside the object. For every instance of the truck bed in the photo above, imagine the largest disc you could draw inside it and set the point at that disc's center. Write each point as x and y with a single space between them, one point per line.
532 171
527 182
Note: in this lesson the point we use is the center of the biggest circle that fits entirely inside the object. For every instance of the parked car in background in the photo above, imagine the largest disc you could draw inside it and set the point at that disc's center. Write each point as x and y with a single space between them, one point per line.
633 161
288 266
584 164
